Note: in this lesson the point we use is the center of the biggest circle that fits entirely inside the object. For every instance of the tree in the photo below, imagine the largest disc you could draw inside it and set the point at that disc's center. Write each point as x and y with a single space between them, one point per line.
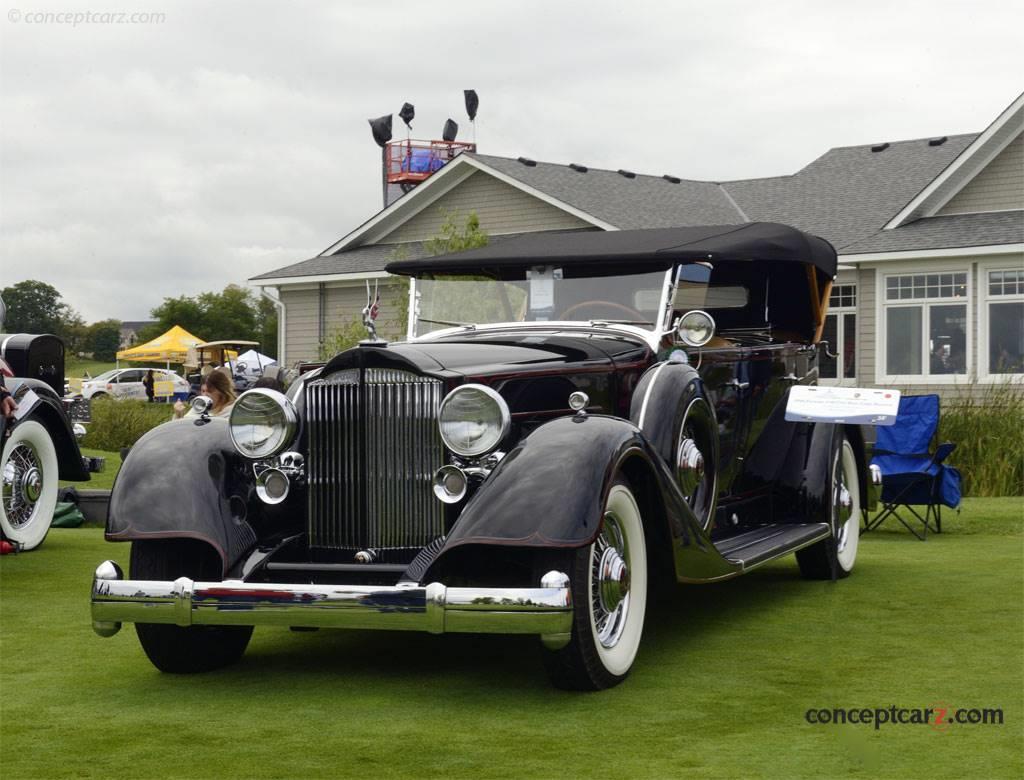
453 238
184 311
35 307
104 339
234 313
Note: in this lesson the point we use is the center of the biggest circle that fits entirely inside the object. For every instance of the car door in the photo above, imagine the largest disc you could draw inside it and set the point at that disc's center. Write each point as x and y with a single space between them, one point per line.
129 384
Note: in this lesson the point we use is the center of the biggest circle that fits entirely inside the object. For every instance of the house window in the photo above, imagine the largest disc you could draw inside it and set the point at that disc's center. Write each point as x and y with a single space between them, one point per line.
926 324
840 332
1003 331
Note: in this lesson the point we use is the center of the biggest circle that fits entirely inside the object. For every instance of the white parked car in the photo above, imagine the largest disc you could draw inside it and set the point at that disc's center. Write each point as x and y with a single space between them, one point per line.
127 383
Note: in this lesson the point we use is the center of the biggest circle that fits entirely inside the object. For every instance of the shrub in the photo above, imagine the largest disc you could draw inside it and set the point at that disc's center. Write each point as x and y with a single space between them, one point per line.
117 424
988 430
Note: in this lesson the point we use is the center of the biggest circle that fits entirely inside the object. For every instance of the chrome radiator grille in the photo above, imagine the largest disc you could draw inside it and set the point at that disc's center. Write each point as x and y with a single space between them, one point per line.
373 450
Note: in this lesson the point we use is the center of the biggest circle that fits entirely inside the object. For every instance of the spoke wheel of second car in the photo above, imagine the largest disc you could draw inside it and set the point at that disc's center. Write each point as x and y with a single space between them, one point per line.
609 588
28 468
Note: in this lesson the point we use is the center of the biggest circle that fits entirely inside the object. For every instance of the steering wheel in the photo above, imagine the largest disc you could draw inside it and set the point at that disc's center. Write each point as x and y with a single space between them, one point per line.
633 313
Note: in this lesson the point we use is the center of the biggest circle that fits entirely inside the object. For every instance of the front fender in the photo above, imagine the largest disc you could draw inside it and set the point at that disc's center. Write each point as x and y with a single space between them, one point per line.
549 490
49 412
183 480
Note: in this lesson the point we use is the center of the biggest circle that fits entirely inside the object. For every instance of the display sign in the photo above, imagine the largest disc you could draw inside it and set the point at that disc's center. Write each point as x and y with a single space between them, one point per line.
853 405
163 388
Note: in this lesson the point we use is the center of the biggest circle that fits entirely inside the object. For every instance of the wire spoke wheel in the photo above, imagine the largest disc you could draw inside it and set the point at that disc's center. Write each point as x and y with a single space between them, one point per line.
28 475
609 587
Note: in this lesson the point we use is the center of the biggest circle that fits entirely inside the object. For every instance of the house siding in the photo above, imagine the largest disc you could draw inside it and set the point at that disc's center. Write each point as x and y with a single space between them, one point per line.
343 305
501 208
866 296
998 187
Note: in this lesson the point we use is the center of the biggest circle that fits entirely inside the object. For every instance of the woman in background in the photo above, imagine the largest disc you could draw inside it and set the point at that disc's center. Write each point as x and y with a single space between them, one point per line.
219 387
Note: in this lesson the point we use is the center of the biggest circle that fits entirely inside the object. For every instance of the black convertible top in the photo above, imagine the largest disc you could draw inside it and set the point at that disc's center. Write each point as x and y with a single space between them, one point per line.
658 247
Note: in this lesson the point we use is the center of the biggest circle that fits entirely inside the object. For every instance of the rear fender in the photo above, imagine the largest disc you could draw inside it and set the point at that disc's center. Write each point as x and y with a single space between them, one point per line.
794 460
184 480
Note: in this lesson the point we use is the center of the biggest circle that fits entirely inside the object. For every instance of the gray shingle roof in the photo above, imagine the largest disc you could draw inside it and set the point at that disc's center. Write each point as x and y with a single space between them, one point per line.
372 257
850 192
948 232
628 203
846 196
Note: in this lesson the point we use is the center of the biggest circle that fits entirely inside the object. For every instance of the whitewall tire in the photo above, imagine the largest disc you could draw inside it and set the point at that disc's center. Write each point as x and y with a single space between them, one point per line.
28 469
609 587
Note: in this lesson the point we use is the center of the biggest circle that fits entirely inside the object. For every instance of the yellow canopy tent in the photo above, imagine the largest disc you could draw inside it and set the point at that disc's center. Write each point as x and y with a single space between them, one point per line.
171 347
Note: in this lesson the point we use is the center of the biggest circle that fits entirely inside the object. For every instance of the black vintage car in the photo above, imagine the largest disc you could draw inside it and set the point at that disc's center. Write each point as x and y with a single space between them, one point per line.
39 447
574 419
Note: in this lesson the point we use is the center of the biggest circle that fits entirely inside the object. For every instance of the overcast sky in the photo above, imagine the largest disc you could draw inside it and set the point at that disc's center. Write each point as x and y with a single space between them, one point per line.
140 161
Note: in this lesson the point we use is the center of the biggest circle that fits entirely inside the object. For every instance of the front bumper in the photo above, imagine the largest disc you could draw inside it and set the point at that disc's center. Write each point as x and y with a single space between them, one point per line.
434 608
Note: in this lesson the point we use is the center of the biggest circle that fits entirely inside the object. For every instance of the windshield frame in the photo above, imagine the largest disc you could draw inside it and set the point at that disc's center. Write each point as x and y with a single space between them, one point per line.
651 335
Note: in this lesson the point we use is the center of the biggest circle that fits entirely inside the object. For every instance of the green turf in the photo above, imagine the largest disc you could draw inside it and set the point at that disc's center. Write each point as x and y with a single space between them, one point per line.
725 675
79 367
104 480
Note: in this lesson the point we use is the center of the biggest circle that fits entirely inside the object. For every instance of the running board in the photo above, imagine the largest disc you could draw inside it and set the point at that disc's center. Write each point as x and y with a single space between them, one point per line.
768 542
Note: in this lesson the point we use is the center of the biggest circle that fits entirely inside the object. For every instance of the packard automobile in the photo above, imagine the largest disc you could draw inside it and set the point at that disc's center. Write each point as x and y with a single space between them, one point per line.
573 420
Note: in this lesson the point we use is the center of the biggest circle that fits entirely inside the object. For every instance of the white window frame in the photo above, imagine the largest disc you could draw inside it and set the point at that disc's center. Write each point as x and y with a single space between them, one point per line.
882 377
984 299
837 349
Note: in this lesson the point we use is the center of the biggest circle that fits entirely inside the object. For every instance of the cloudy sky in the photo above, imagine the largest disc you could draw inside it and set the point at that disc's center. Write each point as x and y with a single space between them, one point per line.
225 139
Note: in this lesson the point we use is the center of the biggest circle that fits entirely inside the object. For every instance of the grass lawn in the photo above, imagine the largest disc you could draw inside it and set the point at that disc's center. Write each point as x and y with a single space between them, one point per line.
78 367
105 479
724 677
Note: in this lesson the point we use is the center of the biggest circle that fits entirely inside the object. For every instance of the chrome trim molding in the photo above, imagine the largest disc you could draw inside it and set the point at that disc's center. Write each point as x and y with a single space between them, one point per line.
434 608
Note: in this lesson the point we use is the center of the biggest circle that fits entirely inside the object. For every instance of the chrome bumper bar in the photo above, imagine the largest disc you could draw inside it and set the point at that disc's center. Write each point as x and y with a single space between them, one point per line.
434 608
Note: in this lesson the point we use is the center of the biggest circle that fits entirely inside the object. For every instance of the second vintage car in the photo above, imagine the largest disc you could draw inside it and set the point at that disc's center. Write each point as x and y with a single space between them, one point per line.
574 419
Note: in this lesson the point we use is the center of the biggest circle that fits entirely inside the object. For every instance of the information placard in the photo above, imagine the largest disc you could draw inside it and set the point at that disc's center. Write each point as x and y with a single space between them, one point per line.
853 405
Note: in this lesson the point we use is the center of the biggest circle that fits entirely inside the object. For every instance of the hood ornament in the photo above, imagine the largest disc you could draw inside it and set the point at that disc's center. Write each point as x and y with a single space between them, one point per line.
370 312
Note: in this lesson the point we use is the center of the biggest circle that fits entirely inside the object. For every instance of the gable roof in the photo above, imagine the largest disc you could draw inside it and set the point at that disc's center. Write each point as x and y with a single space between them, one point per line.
848 195
985 146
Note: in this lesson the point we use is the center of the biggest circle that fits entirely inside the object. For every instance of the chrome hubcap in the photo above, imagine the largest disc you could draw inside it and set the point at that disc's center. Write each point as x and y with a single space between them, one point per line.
610 582
613 580
22 485
691 466
32 485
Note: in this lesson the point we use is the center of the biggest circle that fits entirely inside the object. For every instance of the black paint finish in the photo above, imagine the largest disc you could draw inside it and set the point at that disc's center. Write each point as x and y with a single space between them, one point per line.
178 481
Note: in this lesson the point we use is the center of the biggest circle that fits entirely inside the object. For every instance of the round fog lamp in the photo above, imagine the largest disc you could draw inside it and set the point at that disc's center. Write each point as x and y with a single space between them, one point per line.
272 486
450 484
263 423
696 328
473 420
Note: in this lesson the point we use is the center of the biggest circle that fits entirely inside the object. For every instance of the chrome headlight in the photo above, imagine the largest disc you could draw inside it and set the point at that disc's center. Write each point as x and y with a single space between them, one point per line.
696 328
262 423
473 420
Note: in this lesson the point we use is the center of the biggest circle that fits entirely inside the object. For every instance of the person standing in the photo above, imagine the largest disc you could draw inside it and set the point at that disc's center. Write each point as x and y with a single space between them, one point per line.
149 382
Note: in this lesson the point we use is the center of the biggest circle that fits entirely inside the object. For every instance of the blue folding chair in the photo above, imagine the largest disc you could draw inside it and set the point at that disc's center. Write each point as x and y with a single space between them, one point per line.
911 475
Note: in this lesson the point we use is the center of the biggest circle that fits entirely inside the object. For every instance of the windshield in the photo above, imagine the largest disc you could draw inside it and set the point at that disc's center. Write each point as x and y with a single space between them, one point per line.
106 375
543 294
